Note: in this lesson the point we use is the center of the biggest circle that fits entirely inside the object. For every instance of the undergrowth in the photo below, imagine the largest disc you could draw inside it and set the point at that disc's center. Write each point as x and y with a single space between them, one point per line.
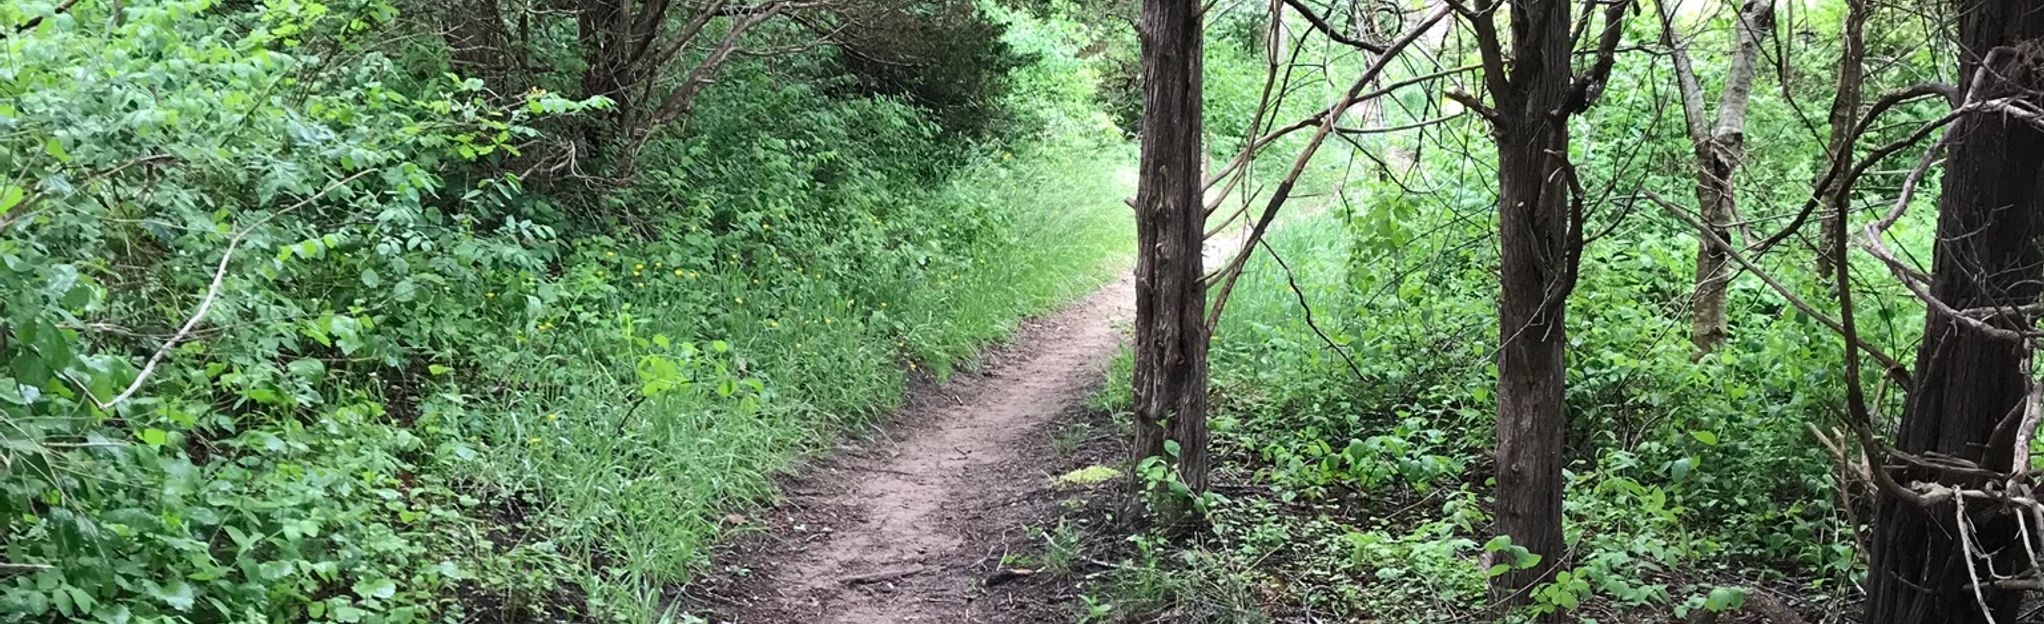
422 391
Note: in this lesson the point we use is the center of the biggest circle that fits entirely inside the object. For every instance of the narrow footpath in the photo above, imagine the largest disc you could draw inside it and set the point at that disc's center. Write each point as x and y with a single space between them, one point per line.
909 527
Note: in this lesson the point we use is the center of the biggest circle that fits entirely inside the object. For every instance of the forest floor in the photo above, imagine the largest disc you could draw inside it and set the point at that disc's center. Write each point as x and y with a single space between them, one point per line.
923 522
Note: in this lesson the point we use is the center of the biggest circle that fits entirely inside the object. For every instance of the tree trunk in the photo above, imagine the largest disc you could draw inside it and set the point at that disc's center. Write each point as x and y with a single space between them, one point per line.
1719 146
1170 335
1844 114
1968 384
1536 270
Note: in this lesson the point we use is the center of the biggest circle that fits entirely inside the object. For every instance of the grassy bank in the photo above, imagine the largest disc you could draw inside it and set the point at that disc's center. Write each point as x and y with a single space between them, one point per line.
290 337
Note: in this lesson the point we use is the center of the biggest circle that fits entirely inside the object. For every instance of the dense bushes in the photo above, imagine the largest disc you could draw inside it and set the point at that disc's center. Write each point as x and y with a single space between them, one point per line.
418 391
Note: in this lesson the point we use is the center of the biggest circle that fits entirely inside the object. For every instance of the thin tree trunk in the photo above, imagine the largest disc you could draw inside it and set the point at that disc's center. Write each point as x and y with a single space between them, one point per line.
1719 146
1170 334
1969 384
1845 105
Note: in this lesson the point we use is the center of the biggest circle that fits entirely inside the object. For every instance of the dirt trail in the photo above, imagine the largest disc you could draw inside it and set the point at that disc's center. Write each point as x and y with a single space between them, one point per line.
906 529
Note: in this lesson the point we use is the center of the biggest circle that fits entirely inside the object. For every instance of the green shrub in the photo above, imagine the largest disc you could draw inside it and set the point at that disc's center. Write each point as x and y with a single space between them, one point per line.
420 391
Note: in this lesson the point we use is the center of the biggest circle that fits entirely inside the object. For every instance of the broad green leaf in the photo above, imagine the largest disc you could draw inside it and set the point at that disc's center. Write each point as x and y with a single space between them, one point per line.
1724 598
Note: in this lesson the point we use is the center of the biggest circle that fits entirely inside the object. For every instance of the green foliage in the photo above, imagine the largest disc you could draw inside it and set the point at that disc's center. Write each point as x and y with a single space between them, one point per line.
946 56
1367 477
413 390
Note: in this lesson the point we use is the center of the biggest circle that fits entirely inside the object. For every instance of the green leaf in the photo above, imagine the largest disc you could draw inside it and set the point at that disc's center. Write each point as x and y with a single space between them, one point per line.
1724 598
1680 468
379 589
152 436
1705 437
177 594
10 196
55 149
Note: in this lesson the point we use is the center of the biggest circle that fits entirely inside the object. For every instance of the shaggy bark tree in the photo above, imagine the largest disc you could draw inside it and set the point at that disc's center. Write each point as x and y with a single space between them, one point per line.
1533 93
1719 145
1170 333
1970 388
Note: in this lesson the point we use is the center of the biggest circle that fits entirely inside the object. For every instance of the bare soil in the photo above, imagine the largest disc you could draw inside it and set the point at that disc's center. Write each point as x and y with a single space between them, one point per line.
912 526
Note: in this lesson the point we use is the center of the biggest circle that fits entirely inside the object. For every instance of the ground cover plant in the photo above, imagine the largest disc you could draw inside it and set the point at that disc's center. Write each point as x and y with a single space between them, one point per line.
297 330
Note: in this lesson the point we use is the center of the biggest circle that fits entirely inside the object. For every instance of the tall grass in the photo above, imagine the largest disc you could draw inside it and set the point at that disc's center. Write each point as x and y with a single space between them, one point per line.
637 487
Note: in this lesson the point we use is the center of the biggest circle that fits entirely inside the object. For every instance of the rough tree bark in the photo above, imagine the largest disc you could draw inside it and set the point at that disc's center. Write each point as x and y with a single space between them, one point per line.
1170 334
1969 385
1845 103
1719 145
1540 237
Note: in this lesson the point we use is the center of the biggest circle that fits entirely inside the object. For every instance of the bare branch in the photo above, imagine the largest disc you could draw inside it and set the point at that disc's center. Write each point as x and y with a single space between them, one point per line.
1329 30
1489 47
1293 281
1842 161
1590 83
1284 187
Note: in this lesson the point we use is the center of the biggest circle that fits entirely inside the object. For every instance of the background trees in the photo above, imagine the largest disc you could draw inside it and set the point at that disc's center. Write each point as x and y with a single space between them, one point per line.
1720 143
1343 373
